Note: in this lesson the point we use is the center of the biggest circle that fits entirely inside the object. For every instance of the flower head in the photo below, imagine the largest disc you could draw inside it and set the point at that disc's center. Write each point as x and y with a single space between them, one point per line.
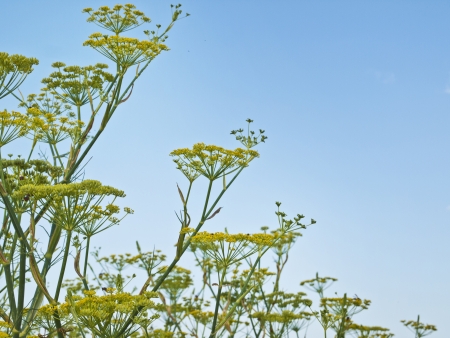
211 161
12 126
125 52
227 249
118 19
13 71
419 328
77 85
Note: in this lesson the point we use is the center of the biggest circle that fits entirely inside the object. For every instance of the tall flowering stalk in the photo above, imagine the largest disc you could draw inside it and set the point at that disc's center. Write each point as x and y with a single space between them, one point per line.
50 192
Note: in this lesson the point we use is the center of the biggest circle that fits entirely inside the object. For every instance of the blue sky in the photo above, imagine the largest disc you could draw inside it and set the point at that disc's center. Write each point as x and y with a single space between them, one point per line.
355 99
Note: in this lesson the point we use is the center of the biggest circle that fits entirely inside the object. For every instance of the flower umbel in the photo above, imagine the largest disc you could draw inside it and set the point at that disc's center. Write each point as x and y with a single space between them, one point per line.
228 249
420 329
12 126
120 18
13 71
211 161
124 51
77 85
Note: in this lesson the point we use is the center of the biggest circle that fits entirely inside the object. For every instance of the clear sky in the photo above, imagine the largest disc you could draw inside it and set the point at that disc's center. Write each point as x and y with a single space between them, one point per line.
355 99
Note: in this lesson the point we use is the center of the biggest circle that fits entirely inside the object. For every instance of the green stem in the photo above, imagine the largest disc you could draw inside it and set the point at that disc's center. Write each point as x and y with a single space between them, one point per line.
38 294
64 262
32 148
216 310
21 294
206 201
18 98
60 280
53 154
116 94
418 335
189 192
57 155
58 324
10 286
79 113
86 257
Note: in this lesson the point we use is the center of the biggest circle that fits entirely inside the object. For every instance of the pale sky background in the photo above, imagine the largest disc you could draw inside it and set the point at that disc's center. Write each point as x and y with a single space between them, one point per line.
355 99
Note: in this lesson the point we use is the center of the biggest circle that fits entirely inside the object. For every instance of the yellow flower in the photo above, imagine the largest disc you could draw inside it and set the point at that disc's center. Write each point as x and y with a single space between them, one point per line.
118 19
258 239
75 206
227 249
12 126
77 85
50 128
186 230
211 161
124 51
13 71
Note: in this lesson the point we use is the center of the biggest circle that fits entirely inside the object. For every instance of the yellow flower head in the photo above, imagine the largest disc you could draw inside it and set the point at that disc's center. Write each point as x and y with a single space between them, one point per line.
419 328
350 306
13 71
77 85
124 51
226 249
221 237
211 161
118 19
12 126
75 206
369 331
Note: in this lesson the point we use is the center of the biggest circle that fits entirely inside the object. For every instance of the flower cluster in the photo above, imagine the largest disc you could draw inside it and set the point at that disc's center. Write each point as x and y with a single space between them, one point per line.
282 312
227 249
339 302
90 187
251 139
48 101
118 19
318 281
203 317
18 173
284 317
215 237
101 315
318 284
364 331
77 85
13 71
345 306
420 329
75 206
125 51
211 161
12 126
52 129
177 282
